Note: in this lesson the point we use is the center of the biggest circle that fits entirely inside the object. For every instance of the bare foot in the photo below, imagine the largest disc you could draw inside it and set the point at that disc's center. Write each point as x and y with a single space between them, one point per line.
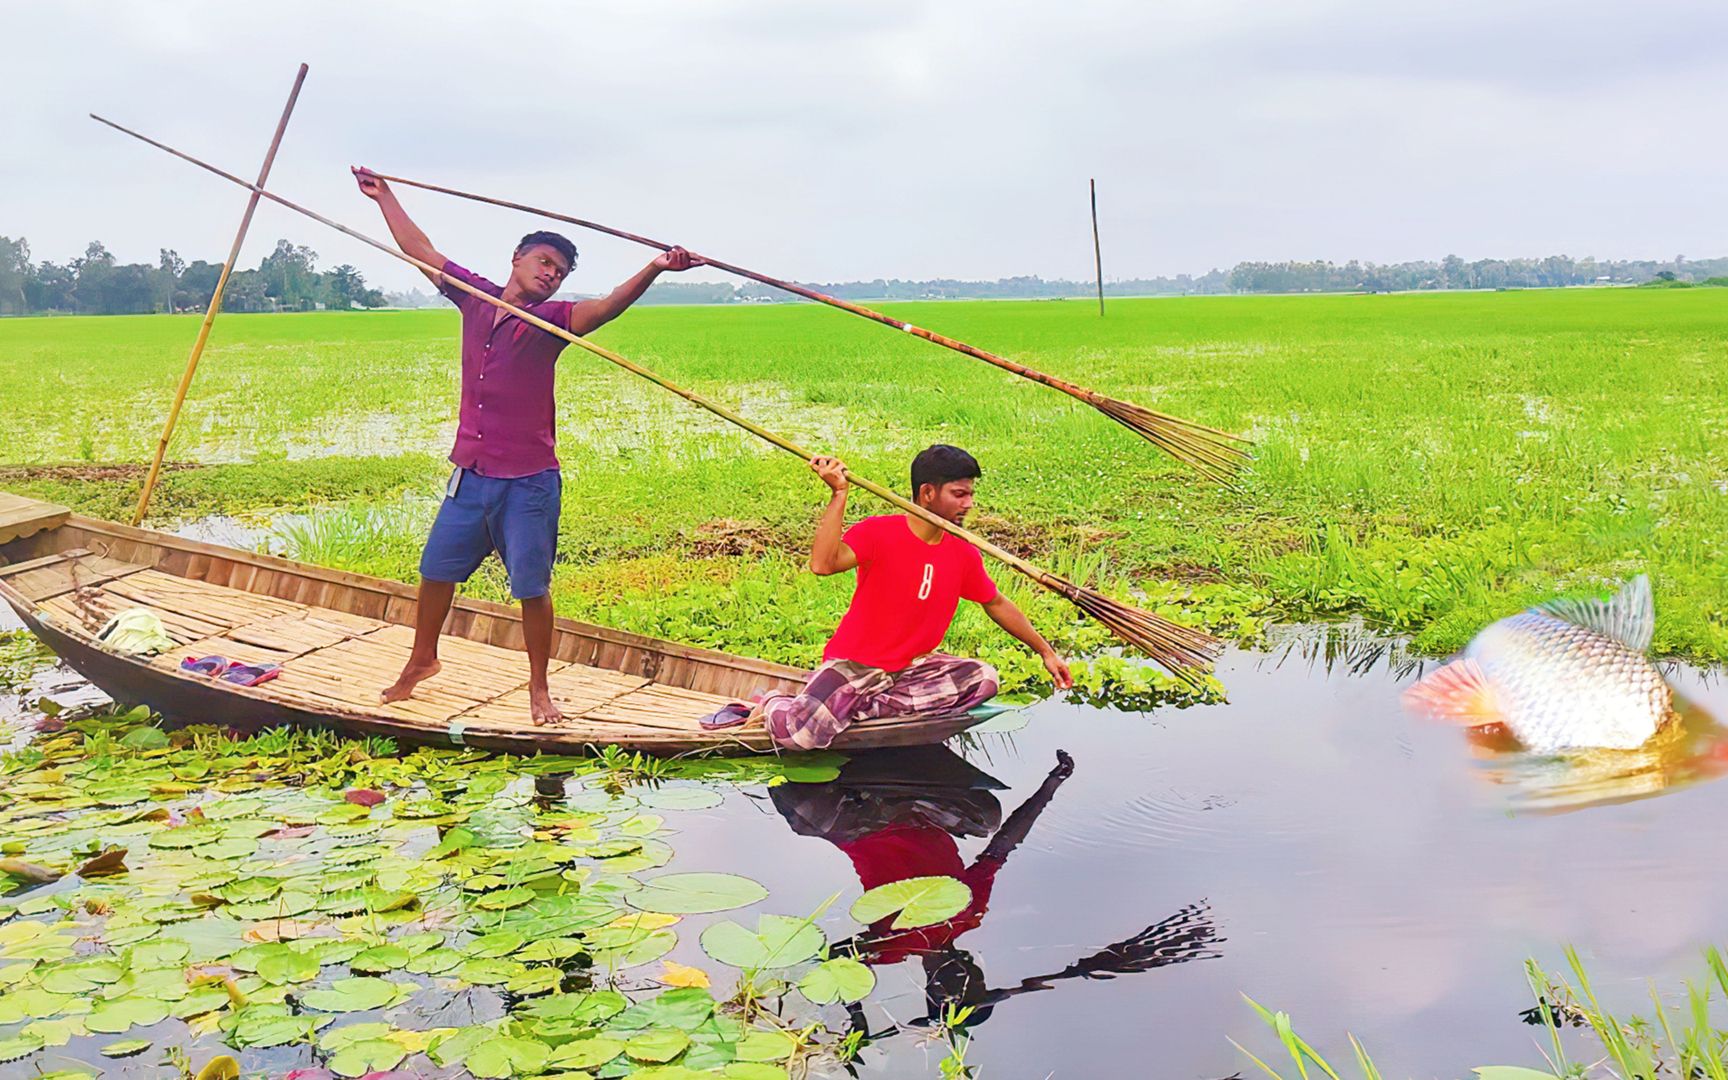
545 710
412 675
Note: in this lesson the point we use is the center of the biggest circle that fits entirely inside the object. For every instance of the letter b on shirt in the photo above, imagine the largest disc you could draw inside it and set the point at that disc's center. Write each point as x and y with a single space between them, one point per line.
929 577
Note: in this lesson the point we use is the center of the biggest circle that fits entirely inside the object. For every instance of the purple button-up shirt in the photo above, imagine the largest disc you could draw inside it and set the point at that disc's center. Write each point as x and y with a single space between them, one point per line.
505 427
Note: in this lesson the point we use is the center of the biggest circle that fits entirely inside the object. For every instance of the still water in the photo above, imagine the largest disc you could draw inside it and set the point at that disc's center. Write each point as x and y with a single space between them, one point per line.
1307 844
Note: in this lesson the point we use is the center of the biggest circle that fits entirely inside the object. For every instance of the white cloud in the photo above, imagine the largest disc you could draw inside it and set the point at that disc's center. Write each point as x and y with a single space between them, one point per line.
902 138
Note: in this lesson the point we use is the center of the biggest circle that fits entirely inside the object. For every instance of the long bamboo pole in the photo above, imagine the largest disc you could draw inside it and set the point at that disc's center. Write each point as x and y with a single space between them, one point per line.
1180 649
215 304
1214 453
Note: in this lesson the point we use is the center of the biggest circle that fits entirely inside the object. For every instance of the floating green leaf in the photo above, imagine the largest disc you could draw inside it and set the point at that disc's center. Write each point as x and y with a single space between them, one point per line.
767 1046
657 1045
920 901
838 979
697 893
286 965
586 1053
595 1007
686 1008
351 995
367 1055
751 1070
778 941
125 1048
19 1046
380 958
120 1014
503 1056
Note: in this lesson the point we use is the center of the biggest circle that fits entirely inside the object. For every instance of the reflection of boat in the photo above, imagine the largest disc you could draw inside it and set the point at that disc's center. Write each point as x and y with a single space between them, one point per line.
340 636
1691 751
897 815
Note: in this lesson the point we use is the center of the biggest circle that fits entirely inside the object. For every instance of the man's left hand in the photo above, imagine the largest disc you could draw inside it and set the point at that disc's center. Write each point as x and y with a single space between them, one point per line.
1058 669
677 259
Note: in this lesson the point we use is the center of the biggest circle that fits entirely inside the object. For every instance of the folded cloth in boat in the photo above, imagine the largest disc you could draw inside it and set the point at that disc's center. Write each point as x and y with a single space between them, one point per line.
136 631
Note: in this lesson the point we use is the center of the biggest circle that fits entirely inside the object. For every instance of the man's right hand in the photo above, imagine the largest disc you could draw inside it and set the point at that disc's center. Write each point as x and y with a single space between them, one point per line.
832 471
371 184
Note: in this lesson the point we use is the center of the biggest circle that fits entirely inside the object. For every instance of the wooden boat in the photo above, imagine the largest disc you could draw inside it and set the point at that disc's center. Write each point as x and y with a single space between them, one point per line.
341 636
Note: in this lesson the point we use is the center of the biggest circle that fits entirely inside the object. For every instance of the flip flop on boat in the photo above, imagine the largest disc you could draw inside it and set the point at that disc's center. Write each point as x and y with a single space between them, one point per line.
250 674
212 666
729 715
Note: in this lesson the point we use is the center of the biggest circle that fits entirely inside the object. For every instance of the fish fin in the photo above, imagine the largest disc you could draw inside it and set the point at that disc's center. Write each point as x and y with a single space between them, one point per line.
1459 691
1629 618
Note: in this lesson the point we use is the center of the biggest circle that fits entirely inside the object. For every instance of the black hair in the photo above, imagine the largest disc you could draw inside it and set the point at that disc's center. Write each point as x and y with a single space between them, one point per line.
942 464
555 241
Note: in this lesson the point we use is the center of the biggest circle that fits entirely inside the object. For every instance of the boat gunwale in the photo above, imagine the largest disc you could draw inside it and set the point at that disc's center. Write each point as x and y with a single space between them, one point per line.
333 713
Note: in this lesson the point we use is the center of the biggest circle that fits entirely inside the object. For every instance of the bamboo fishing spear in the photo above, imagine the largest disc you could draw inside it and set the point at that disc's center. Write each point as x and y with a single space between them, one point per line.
1180 649
1215 454
215 304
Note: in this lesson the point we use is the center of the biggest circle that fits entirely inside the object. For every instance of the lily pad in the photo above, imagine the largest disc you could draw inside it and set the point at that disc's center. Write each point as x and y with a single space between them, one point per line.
698 893
778 941
919 901
286 965
125 1048
657 1045
367 1056
380 958
504 1056
838 979
586 1053
767 1046
121 1014
19 1046
686 1008
351 995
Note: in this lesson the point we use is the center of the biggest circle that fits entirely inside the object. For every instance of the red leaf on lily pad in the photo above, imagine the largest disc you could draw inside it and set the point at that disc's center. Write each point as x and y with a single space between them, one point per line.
364 796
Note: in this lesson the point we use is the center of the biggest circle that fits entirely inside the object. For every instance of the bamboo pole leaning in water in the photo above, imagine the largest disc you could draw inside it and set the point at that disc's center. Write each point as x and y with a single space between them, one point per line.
1181 649
1215 454
215 305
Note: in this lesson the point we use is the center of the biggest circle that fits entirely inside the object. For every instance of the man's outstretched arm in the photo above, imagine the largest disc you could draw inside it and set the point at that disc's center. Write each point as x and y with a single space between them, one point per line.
1006 614
587 316
408 236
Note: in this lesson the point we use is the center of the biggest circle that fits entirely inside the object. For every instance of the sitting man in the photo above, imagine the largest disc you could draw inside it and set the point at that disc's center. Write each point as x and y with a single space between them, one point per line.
882 660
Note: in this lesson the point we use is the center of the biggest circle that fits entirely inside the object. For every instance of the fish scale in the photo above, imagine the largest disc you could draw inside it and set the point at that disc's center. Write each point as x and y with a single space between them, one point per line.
1564 686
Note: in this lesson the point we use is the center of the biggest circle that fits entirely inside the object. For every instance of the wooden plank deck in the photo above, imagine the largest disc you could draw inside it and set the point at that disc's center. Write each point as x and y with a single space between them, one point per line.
21 517
336 659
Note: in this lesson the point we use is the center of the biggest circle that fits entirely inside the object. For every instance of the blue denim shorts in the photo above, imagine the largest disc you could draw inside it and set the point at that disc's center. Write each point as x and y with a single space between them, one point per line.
516 517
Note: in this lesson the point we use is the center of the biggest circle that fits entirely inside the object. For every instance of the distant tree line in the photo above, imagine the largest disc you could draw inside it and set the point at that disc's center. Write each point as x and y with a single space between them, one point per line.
288 279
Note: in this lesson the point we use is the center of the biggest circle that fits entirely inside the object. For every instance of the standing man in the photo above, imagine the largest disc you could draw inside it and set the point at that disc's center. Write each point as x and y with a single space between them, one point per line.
504 494
882 659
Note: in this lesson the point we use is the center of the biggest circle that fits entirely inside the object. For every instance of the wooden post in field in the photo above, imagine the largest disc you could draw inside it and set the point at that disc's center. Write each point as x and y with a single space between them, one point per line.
1097 253
215 305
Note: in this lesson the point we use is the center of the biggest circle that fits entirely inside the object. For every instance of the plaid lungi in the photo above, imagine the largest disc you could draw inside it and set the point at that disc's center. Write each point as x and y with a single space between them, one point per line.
843 691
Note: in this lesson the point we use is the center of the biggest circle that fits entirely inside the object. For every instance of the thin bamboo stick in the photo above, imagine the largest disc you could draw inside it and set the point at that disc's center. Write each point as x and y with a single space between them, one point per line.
215 304
1180 649
1214 453
1097 251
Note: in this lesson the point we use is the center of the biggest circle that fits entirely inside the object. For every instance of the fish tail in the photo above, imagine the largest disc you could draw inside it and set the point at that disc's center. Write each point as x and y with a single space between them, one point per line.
1459 691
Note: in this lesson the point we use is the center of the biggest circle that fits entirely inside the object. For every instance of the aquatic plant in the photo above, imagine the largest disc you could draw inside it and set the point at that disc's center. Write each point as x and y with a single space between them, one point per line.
295 888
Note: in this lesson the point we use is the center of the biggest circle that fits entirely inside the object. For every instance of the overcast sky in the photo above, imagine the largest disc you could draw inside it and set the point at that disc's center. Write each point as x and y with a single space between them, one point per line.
836 141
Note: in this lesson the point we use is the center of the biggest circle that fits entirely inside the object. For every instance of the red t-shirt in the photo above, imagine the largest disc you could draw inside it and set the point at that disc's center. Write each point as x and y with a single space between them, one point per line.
915 849
907 593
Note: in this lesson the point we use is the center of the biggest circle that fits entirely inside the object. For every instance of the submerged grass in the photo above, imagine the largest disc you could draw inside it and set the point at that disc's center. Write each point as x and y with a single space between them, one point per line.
1427 462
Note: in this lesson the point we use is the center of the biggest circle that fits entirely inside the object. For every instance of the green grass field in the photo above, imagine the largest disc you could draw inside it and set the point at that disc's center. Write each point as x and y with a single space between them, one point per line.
1426 462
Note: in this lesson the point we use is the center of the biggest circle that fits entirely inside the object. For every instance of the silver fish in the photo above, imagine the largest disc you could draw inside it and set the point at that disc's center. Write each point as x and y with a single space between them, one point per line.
1564 675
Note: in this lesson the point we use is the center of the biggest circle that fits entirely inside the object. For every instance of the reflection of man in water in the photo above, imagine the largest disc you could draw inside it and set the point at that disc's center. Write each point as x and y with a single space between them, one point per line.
897 814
